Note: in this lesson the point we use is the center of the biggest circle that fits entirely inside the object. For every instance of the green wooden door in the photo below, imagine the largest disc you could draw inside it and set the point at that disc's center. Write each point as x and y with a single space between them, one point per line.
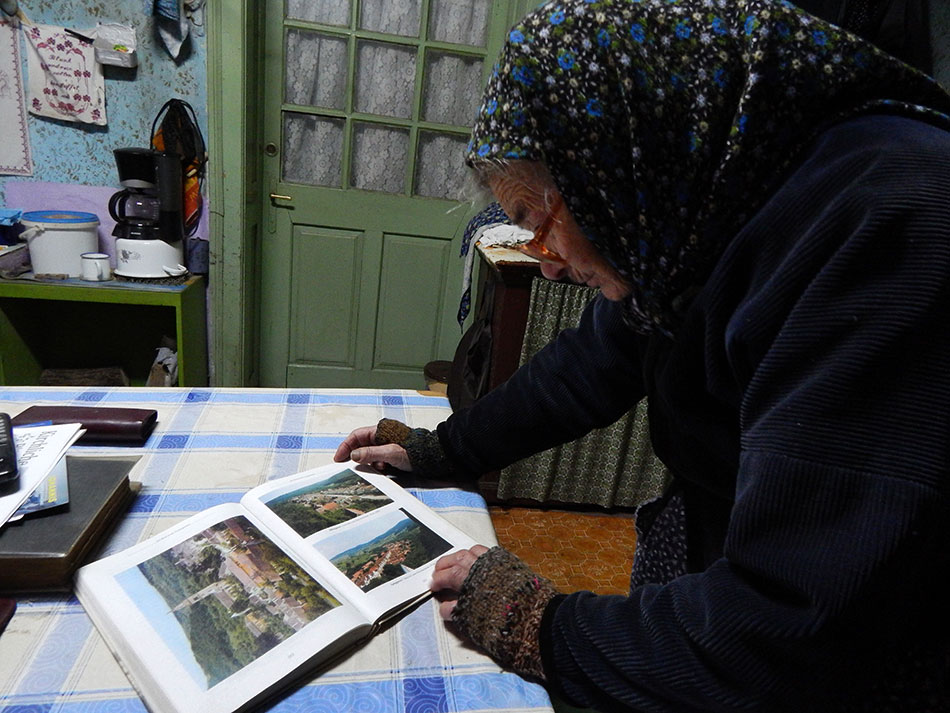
367 107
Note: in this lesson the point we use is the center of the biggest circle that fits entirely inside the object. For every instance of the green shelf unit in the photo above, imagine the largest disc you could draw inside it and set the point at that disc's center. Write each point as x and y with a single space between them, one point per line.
76 325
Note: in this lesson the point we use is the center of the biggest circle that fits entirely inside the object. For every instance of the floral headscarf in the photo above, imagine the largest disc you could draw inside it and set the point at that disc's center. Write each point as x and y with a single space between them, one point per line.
664 122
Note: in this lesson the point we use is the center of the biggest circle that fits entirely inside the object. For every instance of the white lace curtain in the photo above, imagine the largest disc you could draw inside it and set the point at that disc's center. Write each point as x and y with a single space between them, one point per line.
313 150
385 75
463 22
329 12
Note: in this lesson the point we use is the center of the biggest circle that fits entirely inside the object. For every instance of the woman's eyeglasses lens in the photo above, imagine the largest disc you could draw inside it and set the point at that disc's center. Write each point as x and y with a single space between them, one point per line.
536 248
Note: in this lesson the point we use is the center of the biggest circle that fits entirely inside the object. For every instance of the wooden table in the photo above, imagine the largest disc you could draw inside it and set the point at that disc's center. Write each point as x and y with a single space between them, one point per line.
505 277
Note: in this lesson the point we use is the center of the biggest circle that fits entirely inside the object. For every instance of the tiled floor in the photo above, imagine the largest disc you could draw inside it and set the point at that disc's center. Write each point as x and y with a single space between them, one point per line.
575 550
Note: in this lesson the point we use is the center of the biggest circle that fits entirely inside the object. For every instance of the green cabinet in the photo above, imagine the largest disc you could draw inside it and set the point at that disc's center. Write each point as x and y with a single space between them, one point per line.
73 325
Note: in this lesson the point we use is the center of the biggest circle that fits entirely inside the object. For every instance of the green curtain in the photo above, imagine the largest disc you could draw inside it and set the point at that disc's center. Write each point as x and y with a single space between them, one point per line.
610 467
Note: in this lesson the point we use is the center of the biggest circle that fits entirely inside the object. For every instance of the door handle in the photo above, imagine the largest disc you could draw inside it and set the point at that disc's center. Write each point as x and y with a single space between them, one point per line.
272 220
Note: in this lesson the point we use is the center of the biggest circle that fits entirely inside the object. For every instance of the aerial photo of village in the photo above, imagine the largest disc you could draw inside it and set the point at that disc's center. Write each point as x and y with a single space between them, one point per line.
383 549
234 595
329 502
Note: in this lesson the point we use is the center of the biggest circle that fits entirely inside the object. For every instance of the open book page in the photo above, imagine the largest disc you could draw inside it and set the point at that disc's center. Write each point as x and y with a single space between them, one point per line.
364 533
212 613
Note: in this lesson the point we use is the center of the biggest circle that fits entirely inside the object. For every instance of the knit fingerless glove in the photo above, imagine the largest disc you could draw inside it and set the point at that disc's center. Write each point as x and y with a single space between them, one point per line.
422 446
500 607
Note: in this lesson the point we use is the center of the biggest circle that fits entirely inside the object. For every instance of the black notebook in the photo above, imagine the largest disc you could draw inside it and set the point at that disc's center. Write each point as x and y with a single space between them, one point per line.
41 553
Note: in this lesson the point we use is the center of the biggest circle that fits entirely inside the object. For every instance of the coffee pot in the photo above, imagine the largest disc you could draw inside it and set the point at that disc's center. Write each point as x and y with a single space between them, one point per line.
136 214
149 223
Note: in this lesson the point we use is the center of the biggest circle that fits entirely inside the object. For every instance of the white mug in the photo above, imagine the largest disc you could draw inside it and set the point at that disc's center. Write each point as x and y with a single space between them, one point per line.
96 267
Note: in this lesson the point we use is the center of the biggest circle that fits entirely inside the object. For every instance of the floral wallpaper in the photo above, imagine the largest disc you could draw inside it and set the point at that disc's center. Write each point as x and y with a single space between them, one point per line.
81 154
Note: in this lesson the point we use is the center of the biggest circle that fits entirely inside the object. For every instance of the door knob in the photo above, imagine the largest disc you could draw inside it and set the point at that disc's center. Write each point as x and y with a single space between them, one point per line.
279 197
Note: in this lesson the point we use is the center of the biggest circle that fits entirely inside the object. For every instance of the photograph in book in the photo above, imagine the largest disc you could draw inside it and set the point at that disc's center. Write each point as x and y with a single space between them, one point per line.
383 548
224 597
340 497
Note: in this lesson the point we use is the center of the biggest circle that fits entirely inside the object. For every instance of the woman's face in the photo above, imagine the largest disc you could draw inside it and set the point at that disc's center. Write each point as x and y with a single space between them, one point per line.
527 197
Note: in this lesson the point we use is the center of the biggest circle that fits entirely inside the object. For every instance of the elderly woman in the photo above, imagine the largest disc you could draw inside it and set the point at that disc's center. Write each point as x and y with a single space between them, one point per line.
764 202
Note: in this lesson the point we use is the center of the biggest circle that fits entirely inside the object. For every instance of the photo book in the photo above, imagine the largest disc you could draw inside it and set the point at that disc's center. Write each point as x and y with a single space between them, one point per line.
222 610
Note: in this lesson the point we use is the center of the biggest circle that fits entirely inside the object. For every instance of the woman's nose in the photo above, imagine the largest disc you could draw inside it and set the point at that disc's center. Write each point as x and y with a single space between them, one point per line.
554 270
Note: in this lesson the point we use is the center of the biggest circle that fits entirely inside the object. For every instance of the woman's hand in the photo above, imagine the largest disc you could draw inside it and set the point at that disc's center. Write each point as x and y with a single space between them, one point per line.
360 446
450 572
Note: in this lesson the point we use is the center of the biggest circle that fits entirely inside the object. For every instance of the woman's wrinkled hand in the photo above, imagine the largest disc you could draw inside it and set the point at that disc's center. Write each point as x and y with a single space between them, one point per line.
450 572
360 446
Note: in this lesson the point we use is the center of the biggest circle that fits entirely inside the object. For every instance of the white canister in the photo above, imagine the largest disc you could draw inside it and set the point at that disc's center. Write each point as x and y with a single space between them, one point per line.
58 238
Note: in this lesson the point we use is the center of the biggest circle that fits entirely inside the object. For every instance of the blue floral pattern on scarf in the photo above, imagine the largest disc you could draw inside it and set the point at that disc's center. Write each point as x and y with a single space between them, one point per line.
665 123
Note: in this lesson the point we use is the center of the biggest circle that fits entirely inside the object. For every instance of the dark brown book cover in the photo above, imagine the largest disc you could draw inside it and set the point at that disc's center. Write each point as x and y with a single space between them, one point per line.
41 553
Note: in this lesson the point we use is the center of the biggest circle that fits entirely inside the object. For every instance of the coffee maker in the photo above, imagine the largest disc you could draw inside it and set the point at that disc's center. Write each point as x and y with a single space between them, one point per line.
149 223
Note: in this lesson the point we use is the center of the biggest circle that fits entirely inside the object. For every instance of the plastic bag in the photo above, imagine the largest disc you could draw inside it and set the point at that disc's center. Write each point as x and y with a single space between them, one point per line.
115 44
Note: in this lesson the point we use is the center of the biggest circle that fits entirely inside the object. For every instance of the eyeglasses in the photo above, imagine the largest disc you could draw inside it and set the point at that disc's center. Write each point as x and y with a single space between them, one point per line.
535 247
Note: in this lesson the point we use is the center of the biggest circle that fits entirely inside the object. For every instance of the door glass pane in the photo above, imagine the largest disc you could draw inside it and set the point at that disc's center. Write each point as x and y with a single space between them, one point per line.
461 21
440 165
394 17
315 69
380 155
313 150
329 12
452 88
385 75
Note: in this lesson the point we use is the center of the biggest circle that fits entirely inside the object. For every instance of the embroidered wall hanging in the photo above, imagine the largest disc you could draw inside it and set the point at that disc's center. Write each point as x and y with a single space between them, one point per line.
15 156
65 81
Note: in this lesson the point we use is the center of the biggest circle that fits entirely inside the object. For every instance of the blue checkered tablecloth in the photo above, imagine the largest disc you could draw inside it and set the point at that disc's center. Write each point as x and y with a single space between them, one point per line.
211 446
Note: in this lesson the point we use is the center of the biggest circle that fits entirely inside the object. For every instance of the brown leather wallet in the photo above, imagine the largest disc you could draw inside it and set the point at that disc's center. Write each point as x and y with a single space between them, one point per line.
104 425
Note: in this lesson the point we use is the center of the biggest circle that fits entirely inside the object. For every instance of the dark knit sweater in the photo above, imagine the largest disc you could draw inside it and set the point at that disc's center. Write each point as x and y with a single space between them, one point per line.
804 409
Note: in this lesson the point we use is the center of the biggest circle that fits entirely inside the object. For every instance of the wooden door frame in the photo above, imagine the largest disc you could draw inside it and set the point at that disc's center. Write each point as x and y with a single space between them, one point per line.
235 56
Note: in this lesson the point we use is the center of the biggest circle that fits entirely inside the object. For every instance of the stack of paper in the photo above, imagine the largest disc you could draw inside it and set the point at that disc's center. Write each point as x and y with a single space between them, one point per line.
40 450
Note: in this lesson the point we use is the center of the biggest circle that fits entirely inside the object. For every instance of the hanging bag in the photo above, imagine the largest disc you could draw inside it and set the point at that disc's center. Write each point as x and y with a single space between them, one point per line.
175 130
